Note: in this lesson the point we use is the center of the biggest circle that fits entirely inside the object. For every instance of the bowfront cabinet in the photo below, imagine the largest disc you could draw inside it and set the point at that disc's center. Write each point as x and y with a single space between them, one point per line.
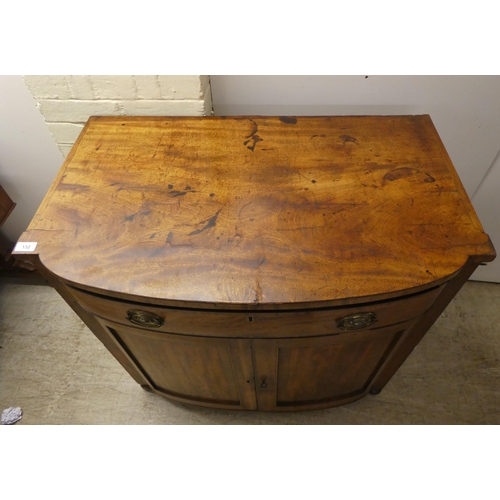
318 372
258 263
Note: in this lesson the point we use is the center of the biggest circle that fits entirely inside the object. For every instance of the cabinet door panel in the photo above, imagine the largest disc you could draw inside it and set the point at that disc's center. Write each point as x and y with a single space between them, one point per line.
210 371
320 371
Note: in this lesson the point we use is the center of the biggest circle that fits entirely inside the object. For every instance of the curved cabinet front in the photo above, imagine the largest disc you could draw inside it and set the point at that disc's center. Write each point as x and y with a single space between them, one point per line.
197 370
319 372
258 324
316 359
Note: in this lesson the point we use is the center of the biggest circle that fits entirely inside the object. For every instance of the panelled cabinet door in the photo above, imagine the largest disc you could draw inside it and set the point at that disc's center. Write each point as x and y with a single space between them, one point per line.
196 370
318 372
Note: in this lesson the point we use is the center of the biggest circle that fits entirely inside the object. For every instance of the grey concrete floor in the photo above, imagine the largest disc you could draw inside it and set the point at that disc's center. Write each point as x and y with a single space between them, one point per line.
54 368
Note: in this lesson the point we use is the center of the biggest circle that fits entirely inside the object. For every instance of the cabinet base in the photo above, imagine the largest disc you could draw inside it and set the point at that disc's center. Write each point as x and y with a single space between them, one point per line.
253 406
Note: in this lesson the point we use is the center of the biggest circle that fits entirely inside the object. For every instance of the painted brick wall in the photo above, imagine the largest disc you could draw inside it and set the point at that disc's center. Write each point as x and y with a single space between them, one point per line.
66 102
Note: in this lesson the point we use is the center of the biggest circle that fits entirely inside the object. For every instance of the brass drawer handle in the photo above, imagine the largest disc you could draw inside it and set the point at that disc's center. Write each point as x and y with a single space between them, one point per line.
356 321
144 318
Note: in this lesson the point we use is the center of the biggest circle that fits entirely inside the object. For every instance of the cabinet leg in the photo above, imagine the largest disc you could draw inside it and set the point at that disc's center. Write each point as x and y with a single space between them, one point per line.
146 387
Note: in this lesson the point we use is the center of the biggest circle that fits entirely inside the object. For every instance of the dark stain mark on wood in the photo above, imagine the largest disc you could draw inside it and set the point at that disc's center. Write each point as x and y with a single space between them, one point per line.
187 188
301 175
170 186
120 189
152 236
262 260
209 223
212 195
251 220
131 217
348 138
318 135
255 129
72 187
97 149
167 247
170 238
156 252
255 138
314 181
288 119
429 178
174 194
371 166
258 294
399 173
286 229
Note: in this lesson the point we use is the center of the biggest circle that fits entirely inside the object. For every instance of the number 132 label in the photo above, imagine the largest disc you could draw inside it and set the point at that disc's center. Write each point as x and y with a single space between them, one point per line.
25 246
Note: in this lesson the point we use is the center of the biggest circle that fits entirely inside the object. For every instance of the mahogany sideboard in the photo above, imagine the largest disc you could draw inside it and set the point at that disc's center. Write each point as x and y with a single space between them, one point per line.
258 263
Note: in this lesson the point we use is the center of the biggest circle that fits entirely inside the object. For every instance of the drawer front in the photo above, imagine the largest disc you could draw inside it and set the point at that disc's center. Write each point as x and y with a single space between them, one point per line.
248 324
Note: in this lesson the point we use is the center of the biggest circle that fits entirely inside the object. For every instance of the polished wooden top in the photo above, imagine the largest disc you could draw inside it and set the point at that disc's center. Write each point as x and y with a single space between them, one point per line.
257 211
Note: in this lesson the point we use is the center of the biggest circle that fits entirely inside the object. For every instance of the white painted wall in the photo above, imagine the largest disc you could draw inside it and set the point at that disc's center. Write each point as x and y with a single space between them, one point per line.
29 156
66 102
464 109
487 205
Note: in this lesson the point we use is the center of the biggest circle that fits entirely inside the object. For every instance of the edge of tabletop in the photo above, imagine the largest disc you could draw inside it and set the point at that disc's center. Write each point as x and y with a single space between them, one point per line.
485 252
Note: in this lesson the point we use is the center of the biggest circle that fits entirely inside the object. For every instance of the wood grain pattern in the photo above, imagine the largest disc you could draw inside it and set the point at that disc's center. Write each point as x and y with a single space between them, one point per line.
259 324
250 238
256 211
320 372
196 370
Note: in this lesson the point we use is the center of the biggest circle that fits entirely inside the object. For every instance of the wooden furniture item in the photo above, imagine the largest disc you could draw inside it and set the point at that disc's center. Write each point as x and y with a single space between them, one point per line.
9 267
258 262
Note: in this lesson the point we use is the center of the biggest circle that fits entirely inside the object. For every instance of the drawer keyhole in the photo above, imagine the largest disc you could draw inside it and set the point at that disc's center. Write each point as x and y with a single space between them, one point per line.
263 382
